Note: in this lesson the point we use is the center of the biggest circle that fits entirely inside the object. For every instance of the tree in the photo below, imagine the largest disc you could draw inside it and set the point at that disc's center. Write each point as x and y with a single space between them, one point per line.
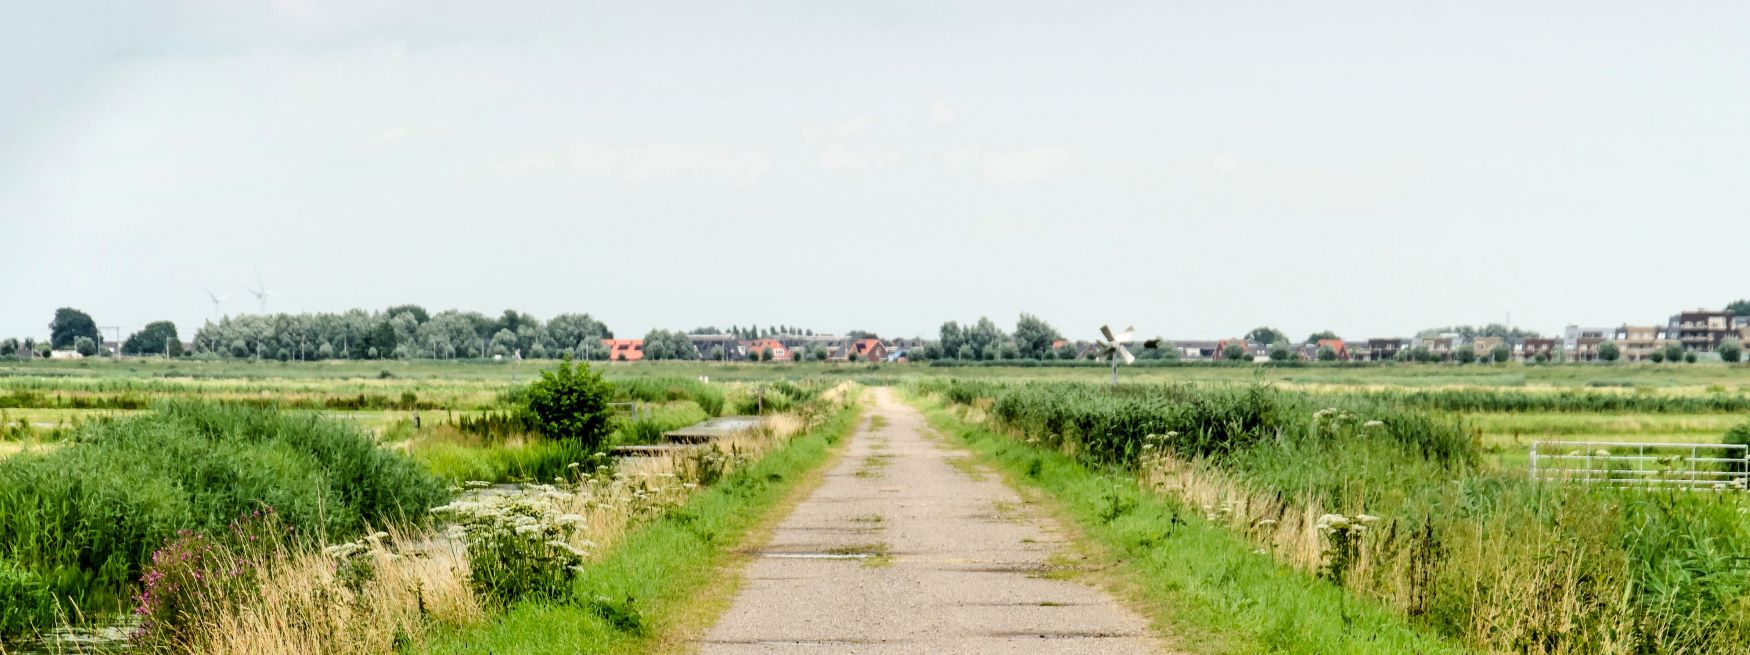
9 348
766 354
1608 351
1465 354
1033 337
84 346
952 338
1739 307
1010 351
1657 357
418 313
1234 352
70 324
570 403
1673 353
1280 352
1731 351
985 338
1689 358
154 339
1500 353
716 353
1321 336
965 352
817 353
1265 334
1327 354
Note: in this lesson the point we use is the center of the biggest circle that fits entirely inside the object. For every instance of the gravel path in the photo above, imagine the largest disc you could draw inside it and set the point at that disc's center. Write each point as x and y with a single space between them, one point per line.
906 548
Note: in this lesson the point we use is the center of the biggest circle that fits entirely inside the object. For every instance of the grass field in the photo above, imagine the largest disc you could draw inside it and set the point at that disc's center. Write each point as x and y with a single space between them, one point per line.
1477 421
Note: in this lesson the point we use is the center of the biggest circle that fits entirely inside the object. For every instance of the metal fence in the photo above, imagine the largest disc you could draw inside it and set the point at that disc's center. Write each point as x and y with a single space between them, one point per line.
1699 466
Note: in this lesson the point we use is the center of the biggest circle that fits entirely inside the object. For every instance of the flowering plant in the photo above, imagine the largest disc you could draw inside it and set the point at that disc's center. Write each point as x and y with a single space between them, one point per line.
518 546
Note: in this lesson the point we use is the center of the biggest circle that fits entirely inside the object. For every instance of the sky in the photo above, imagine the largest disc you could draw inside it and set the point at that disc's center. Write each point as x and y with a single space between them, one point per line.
1194 169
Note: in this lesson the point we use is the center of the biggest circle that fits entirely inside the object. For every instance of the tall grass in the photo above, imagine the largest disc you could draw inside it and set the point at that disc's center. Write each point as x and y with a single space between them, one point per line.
87 516
1492 558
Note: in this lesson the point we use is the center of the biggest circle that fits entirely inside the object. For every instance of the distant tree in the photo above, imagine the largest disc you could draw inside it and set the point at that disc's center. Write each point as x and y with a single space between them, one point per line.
1280 351
9 348
717 353
1608 351
1465 354
1033 337
70 324
84 346
1327 354
1673 353
965 352
503 342
1657 357
1422 354
153 340
1689 358
861 334
766 354
1541 357
325 351
1234 352
1265 334
986 338
1731 350
418 313
1321 336
852 358
817 353
951 337
1010 351
1500 353
1739 307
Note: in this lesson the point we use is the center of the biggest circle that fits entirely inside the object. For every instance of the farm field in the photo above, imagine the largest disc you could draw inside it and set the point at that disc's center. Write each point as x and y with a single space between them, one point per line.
1444 469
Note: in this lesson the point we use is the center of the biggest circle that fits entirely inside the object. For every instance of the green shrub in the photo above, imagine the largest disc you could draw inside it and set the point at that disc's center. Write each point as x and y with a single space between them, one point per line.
517 547
26 604
570 403
88 515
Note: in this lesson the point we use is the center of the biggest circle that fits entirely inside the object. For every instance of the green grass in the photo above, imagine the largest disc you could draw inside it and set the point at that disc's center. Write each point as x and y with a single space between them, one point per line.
86 516
640 596
1197 581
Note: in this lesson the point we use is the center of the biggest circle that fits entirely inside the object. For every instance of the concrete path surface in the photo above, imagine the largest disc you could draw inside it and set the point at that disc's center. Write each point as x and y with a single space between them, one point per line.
905 548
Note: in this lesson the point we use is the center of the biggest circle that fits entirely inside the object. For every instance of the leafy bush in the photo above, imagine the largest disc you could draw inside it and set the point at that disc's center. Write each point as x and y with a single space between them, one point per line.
26 604
570 403
87 516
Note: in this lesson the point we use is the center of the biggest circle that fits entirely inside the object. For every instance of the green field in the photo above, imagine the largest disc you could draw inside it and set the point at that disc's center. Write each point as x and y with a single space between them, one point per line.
1445 467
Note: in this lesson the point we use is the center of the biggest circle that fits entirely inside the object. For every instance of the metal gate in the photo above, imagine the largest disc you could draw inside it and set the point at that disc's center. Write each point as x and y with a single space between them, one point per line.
1701 466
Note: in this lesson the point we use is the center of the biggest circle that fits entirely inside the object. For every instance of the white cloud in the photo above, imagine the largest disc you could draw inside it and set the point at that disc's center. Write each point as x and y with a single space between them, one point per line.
840 158
657 161
1024 165
941 113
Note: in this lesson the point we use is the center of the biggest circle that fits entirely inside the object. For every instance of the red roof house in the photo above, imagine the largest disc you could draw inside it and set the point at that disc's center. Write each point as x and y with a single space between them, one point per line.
624 350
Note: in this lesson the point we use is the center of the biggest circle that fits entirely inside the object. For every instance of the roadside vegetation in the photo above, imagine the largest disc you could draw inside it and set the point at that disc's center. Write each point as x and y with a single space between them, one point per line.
1396 504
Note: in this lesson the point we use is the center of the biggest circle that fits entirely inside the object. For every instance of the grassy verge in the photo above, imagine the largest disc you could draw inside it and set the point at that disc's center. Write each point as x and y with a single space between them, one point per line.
1195 580
663 582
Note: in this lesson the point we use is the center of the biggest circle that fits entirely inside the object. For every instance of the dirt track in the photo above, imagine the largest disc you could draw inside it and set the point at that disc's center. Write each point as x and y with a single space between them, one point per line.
902 550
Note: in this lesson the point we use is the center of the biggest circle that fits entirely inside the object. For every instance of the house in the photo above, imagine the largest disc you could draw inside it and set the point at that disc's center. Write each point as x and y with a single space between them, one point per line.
1440 347
624 350
1380 350
1530 347
705 343
1197 350
869 350
755 350
1701 330
1572 335
1485 346
1640 341
1335 345
1586 348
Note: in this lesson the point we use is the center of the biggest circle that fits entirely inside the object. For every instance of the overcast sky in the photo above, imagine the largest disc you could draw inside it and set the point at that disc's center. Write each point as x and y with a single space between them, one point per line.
1194 168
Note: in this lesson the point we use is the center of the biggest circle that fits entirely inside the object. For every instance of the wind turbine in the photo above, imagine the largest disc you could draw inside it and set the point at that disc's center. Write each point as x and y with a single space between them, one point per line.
261 292
1113 349
216 300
